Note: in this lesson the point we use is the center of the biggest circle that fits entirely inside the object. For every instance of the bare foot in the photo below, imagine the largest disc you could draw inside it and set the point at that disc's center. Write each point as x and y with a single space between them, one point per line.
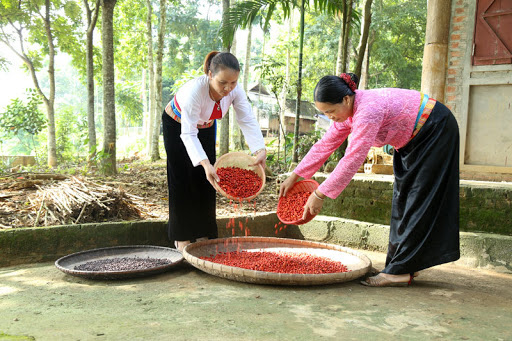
387 280
180 245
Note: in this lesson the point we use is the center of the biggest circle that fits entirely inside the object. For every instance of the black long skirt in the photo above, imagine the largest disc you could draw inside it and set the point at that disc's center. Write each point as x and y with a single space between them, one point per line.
424 229
192 201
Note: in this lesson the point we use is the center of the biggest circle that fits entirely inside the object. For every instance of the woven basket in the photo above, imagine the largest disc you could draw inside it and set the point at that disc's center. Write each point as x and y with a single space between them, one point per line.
300 186
357 263
67 263
244 161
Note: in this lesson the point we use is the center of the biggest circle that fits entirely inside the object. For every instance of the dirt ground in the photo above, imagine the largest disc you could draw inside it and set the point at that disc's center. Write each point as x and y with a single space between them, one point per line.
447 302
145 186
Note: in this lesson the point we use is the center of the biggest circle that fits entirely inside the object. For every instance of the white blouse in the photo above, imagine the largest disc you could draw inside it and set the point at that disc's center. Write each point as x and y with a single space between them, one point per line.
196 108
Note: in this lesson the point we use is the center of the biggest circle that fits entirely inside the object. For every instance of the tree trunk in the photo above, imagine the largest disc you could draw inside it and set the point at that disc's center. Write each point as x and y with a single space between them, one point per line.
247 63
365 28
109 107
346 35
295 157
92 16
52 141
281 130
340 41
237 138
363 81
346 22
151 71
145 108
435 53
155 131
224 126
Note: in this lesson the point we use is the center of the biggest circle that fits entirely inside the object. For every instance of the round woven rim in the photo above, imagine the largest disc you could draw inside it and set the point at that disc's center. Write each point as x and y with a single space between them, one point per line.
241 160
308 185
207 248
65 263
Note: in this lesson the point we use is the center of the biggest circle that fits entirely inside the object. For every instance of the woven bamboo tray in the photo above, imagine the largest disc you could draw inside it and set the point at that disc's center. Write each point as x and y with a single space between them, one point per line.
67 263
301 186
357 263
244 161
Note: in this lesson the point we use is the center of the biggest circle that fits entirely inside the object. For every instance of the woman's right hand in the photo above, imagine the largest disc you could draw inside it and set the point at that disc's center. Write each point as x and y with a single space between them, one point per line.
210 173
287 184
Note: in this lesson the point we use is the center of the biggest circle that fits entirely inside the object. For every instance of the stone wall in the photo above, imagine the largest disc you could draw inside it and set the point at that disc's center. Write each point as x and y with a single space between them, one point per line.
484 206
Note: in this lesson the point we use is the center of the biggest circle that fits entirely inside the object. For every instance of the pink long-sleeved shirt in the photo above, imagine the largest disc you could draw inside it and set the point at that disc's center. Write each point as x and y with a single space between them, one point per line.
381 116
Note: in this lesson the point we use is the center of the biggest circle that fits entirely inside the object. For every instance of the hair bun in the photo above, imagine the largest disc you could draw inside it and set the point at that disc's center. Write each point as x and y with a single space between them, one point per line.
351 79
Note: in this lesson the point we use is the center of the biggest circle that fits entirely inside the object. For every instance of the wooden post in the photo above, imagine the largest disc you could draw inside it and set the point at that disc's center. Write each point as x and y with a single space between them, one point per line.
435 54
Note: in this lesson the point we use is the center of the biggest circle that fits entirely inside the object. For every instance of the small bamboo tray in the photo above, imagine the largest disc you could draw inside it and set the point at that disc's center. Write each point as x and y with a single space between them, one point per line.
357 263
244 161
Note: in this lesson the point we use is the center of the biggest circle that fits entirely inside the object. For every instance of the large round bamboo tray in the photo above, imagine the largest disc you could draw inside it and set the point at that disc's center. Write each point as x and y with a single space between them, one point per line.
357 263
244 161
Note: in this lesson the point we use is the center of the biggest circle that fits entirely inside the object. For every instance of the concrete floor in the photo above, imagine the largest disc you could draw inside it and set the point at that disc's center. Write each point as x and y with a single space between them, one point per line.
448 302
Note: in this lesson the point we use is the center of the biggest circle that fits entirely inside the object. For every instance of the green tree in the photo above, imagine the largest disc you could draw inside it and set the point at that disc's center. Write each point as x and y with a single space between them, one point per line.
243 15
21 22
23 121
396 55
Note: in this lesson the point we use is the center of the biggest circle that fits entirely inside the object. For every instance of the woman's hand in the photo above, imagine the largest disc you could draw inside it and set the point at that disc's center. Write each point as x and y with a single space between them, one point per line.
210 173
287 184
314 203
261 158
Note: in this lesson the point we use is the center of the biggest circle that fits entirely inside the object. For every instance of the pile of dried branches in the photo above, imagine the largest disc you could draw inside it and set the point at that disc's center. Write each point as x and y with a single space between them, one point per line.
76 201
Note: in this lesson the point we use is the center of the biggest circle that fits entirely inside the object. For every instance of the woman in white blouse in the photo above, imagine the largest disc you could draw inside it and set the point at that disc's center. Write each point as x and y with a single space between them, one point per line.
189 128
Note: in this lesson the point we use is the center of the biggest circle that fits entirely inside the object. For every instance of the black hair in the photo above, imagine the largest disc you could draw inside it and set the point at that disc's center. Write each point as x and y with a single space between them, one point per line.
332 89
216 61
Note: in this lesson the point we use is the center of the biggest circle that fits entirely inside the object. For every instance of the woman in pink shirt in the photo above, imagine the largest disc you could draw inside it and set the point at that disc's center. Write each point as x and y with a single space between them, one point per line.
424 228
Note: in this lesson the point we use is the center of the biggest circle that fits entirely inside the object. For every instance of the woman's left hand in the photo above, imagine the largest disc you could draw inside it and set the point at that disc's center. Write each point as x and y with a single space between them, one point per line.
261 158
313 205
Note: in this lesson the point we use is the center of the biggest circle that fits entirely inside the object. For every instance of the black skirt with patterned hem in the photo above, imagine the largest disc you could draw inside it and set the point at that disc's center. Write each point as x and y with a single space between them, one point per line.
424 228
192 200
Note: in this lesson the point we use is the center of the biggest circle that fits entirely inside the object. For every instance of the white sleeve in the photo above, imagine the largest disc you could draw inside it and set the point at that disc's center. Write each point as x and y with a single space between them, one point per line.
190 104
247 121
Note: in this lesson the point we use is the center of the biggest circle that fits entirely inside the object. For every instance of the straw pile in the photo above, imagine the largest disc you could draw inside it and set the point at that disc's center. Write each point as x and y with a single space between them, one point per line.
76 201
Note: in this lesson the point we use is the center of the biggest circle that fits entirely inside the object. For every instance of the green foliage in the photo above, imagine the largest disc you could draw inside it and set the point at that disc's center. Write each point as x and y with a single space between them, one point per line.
23 117
102 158
306 142
130 42
397 54
185 77
27 16
23 121
4 64
128 103
395 60
280 164
71 131
189 37
270 71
